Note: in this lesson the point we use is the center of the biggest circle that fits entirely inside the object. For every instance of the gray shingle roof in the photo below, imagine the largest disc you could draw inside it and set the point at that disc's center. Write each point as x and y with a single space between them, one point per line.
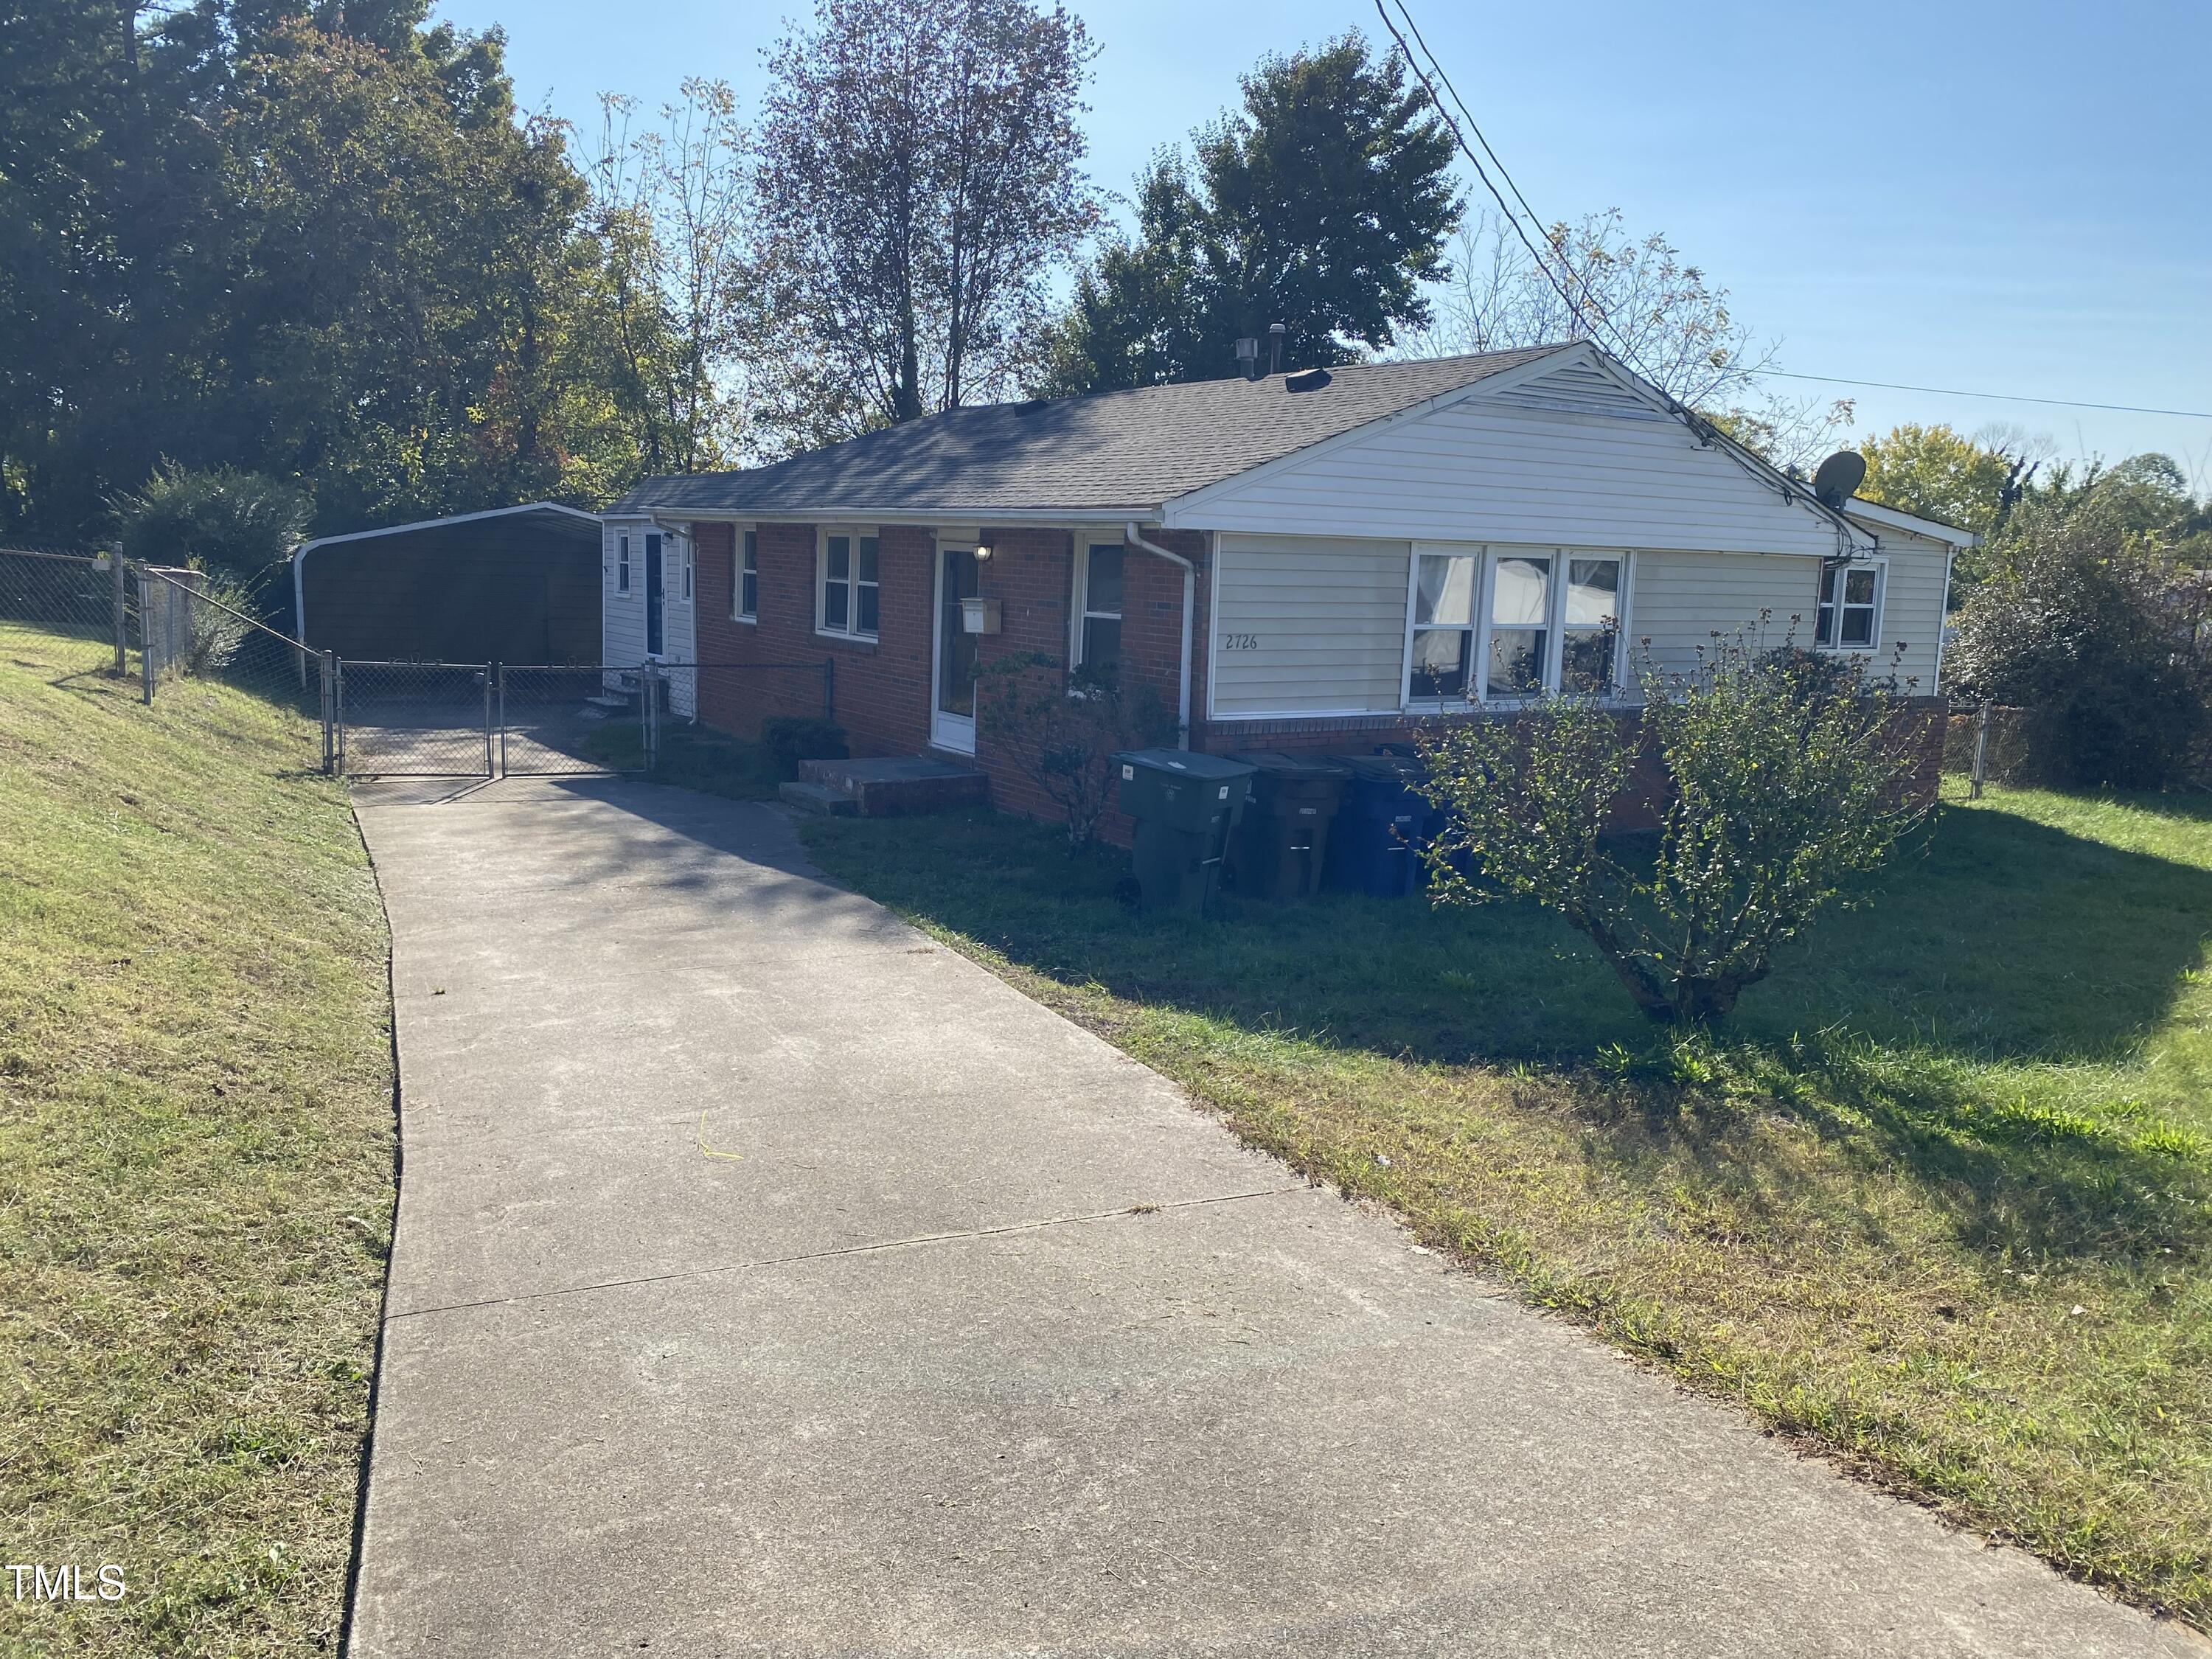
1112 449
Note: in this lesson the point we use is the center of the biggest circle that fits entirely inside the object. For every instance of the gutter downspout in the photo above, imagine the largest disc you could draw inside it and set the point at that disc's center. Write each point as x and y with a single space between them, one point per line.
1136 538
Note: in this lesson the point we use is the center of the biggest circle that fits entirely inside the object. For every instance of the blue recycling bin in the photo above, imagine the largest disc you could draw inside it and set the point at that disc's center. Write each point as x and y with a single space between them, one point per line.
1382 821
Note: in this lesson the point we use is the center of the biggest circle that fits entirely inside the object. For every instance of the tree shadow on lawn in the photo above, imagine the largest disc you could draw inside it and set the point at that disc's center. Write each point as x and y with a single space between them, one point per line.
2000 941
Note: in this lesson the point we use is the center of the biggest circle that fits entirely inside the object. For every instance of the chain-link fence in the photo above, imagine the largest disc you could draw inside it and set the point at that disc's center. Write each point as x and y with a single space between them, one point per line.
192 647
114 628
557 720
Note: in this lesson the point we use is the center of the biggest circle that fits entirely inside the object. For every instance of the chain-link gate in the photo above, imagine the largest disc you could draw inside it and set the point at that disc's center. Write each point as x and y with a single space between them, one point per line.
504 720
566 721
414 719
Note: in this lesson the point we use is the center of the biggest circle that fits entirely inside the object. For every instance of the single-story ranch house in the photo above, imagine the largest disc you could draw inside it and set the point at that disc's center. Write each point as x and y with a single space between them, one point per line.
1304 560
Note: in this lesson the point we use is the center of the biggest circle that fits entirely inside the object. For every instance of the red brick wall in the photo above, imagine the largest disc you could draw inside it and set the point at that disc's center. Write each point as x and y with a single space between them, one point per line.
751 671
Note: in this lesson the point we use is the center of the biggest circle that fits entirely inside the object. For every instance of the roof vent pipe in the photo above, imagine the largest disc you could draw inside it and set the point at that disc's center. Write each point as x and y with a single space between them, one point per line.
1248 357
1276 334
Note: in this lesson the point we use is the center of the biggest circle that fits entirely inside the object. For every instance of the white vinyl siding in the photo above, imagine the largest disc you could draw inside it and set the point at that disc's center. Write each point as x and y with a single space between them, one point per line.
1682 600
622 624
1912 607
1306 626
622 615
1489 469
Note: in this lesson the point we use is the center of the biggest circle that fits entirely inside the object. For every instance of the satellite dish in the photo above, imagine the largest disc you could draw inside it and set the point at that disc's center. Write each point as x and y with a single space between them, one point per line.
1838 478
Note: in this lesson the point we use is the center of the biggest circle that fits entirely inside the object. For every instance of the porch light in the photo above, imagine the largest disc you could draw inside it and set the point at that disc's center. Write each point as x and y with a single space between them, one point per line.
983 552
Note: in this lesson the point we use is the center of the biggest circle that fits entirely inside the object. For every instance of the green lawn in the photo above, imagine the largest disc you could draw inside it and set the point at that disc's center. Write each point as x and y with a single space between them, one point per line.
196 1162
1935 1203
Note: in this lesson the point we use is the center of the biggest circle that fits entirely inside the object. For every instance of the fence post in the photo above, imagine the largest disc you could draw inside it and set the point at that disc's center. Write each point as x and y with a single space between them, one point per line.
650 738
1981 753
330 700
829 689
122 612
145 637
337 708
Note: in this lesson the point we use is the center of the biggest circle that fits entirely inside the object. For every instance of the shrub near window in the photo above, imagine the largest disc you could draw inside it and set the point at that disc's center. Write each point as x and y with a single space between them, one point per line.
1063 733
1786 783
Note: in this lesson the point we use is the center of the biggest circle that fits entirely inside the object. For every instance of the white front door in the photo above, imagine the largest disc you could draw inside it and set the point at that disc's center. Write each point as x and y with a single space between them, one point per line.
952 679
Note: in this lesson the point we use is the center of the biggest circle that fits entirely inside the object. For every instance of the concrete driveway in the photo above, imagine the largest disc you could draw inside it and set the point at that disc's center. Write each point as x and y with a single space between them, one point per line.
770 1280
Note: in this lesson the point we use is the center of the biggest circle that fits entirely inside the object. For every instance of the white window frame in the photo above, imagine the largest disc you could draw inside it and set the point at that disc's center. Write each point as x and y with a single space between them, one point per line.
852 629
1555 619
1879 563
1080 610
746 538
622 563
690 572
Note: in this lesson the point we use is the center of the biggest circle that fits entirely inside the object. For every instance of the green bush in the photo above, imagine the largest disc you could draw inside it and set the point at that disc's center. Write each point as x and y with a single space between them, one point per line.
2092 629
238 524
1786 781
791 738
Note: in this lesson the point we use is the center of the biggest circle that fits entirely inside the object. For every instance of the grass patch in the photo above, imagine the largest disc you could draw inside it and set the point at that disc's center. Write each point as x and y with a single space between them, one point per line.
196 1162
692 757
1938 1202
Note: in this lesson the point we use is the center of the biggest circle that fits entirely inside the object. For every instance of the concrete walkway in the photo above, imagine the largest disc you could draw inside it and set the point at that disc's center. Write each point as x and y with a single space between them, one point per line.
770 1280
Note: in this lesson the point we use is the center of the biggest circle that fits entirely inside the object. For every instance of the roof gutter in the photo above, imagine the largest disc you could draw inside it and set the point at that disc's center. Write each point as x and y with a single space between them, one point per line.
1136 538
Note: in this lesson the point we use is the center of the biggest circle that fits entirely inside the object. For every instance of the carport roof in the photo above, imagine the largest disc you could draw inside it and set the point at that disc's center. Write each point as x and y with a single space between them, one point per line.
1109 451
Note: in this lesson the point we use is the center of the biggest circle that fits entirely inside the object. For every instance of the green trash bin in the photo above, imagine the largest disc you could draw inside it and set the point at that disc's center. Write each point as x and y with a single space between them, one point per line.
1283 839
1185 805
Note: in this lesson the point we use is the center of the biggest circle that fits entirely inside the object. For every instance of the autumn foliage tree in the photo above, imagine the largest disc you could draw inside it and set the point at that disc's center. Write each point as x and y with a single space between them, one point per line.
920 177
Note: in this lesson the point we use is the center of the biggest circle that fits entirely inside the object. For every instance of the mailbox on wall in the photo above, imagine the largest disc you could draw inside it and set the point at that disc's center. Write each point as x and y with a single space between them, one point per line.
979 616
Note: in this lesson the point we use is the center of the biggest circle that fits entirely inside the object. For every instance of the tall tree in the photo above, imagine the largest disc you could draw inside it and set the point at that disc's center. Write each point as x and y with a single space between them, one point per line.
1941 474
1636 296
919 180
307 240
1324 203
673 212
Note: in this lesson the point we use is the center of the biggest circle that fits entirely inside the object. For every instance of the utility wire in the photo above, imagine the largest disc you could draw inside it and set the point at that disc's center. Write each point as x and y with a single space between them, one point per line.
1587 319
1543 262
1994 397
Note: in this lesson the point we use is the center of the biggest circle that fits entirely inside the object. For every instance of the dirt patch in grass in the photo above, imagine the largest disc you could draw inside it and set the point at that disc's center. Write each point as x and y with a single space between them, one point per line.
196 1164
1938 1203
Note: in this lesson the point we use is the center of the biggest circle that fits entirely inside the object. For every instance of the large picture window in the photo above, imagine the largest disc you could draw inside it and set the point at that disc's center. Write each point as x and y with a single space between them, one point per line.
1098 607
1850 607
745 593
848 603
1508 624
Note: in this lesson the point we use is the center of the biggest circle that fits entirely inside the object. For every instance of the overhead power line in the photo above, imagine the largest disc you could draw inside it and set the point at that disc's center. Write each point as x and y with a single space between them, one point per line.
1541 256
1591 319
1994 397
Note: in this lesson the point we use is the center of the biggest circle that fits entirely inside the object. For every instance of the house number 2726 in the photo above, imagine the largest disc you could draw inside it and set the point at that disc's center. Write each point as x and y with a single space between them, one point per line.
1240 641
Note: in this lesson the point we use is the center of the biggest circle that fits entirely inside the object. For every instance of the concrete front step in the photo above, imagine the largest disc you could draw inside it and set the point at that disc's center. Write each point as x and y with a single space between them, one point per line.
819 798
893 788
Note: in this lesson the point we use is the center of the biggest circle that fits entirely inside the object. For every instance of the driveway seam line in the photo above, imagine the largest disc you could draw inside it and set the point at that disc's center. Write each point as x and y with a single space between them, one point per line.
845 1249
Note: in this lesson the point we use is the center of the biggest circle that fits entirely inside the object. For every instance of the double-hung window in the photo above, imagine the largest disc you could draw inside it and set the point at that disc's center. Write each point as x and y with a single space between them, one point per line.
1445 588
848 601
1098 608
689 578
1506 624
621 564
1850 607
745 593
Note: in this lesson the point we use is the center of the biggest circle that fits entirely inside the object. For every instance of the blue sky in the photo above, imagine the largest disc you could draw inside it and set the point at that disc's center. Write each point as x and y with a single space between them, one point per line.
2009 197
